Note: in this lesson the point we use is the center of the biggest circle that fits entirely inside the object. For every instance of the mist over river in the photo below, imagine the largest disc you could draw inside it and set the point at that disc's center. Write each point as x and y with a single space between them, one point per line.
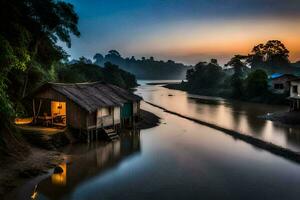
179 159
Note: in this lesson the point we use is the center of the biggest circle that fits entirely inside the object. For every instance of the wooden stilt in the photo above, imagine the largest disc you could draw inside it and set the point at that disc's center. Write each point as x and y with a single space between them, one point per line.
33 109
87 135
92 135
96 134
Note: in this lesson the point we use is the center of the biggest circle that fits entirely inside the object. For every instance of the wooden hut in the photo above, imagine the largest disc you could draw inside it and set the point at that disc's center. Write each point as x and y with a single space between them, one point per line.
84 106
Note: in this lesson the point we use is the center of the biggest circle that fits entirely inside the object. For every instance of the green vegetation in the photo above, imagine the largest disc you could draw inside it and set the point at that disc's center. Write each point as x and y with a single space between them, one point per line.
30 56
144 68
245 77
82 72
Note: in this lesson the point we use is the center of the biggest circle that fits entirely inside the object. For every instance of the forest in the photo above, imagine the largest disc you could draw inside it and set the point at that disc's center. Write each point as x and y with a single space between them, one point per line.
30 56
144 68
244 77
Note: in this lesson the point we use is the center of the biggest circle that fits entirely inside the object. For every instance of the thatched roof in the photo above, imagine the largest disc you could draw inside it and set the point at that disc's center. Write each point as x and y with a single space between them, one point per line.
91 96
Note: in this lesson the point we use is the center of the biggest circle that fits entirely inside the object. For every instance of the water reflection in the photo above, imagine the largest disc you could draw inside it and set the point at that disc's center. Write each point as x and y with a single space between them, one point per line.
240 116
60 179
179 159
81 165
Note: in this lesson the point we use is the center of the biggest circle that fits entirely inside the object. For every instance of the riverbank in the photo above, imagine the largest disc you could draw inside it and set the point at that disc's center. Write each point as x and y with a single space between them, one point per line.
270 147
15 172
269 98
148 120
42 157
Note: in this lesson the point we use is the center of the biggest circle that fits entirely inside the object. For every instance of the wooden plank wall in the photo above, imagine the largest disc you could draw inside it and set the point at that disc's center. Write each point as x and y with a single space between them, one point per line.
76 116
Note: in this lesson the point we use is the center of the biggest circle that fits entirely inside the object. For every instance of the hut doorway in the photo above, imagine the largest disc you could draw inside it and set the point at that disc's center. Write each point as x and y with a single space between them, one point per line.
58 113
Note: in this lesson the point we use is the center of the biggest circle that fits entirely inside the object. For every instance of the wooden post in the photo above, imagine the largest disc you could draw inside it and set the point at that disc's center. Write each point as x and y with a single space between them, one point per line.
88 136
33 109
96 134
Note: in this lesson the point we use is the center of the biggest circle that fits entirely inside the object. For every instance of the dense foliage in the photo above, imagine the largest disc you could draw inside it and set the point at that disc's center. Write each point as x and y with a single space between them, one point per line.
82 72
244 77
28 33
144 68
30 56
200 77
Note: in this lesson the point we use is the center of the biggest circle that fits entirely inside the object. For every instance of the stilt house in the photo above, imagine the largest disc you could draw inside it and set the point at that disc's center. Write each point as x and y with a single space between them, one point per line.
84 106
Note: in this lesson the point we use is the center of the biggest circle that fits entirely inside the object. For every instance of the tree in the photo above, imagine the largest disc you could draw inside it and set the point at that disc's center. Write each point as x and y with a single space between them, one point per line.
29 31
269 56
257 83
114 53
28 34
237 77
98 58
204 76
85 60
114 75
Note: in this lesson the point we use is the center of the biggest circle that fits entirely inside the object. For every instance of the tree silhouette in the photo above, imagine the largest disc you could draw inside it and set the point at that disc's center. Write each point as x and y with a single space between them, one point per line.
98 58
269 56
237 77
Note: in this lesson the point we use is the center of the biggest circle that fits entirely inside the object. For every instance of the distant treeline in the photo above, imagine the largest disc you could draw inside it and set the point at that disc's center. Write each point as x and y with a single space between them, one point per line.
144 68
244 77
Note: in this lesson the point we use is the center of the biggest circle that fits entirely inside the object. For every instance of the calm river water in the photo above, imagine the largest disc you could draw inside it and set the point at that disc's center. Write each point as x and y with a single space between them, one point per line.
178 159
236 115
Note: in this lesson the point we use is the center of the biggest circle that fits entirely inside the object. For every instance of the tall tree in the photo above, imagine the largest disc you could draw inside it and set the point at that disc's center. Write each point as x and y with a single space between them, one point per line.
270 56
29 30
257 83
98 58
237 77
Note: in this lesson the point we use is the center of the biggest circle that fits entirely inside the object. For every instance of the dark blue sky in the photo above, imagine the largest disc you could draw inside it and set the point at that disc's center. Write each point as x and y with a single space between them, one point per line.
184 30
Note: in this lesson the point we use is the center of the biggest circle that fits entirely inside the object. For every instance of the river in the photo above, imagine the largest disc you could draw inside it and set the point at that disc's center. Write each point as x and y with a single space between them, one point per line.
236 115
178 159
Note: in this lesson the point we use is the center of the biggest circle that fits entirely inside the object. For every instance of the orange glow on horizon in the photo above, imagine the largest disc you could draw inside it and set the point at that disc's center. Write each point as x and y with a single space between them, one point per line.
219 39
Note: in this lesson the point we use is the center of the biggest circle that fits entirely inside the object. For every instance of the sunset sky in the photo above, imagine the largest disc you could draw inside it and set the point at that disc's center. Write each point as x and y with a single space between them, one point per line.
185 30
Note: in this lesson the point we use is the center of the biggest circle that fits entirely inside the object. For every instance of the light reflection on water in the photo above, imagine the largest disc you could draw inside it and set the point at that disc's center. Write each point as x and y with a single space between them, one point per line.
240 116
178 159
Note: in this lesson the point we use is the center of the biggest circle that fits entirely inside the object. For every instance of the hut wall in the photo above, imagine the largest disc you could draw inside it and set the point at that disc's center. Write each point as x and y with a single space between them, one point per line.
136 108
91 119
76 116
108 116
281 82
117 115
295 85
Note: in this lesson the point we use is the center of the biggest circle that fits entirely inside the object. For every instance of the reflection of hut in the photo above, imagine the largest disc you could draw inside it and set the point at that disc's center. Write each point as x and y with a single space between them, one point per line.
84 106
88 164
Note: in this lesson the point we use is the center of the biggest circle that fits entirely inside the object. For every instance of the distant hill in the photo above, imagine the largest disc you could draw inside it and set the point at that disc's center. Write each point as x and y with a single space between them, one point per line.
144 68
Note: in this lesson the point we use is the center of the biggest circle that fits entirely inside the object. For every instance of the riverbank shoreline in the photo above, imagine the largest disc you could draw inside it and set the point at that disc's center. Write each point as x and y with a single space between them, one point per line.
274 99
14 173
270 147
40 160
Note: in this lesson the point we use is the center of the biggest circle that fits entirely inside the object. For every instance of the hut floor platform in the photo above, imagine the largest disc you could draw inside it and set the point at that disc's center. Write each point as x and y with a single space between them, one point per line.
41 129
